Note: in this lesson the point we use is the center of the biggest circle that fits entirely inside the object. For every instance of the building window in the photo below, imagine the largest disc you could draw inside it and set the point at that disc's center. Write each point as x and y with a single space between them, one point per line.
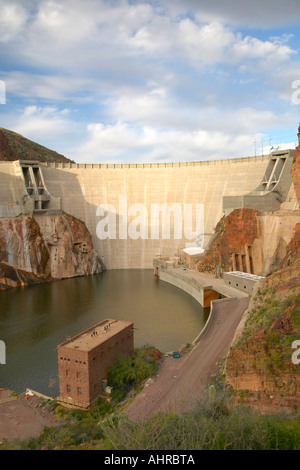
78 391
68 388
67 372
78 375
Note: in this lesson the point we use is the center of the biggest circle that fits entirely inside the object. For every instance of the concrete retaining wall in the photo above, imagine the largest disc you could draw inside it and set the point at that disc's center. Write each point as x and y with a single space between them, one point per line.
196 289
190 286
209 321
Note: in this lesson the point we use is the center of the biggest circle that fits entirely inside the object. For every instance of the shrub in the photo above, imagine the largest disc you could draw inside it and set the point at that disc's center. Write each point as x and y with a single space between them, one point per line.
69 434
239 429
128 371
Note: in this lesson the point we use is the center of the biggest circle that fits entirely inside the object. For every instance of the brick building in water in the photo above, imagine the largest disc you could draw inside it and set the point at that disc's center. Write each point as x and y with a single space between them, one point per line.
83 360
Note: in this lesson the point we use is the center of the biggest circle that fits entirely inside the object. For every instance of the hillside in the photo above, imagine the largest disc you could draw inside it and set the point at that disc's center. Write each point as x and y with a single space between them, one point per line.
259 365
14 146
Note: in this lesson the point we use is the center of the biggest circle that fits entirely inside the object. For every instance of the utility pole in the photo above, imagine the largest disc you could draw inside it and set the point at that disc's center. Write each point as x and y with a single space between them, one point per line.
255 147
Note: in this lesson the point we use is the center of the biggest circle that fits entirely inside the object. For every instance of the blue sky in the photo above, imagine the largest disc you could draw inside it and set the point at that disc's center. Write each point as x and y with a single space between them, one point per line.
151 81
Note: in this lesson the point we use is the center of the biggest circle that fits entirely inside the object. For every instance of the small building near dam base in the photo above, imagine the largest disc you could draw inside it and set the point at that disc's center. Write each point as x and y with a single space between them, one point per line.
242 281
83 360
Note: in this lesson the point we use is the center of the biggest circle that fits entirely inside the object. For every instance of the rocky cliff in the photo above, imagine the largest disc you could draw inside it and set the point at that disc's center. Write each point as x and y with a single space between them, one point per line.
232 234
259 365
38 249
250 241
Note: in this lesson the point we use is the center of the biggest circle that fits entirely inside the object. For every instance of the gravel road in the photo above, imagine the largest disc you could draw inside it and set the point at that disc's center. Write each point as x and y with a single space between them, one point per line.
181 381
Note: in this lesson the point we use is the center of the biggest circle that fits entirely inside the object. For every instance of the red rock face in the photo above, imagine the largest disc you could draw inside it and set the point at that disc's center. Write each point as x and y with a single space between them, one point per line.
292 249
6 152
11 277
232 233
50 247
69 245
22 245
283 324
262 364
249 369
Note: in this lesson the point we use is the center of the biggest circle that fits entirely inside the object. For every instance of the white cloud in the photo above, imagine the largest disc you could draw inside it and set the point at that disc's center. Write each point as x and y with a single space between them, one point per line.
207 42
268 52
240 13
93 35
109 141
121 142
45 125
13 17
157 79
50 87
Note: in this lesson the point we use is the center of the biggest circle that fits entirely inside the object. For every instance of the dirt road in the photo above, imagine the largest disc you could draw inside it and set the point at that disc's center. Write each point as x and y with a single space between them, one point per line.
181 381
21 418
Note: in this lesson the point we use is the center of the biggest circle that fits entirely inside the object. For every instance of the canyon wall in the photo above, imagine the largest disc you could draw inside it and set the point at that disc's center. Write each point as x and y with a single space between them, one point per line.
44 248
259 365
250 241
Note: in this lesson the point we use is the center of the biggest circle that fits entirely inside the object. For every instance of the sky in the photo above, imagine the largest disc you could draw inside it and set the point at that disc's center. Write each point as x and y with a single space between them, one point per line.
132 81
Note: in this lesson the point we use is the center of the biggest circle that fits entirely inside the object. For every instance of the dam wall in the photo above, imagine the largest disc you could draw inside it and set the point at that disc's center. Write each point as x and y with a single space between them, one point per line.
84 188
11 190
117 202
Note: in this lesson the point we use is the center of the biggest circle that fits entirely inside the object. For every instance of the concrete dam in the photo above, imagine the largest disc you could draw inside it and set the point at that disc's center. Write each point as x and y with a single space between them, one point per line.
136 212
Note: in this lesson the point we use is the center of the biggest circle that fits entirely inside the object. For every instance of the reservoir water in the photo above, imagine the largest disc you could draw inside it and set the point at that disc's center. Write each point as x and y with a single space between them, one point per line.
35 319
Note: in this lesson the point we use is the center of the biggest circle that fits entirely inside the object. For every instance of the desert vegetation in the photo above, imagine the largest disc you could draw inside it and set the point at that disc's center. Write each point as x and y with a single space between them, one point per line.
214 424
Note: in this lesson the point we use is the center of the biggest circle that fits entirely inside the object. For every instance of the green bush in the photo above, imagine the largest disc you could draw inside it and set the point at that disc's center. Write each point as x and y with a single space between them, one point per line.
239 429
66 435
128 371
101 409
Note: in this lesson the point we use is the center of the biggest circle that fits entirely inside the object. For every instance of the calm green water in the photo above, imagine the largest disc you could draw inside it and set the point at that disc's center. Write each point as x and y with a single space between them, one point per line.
35 319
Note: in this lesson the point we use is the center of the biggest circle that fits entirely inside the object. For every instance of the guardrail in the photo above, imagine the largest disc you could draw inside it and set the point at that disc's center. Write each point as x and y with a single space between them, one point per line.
210 319
118 166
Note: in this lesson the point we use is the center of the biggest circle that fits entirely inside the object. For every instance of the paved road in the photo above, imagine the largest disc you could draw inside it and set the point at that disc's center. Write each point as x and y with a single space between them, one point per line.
181 381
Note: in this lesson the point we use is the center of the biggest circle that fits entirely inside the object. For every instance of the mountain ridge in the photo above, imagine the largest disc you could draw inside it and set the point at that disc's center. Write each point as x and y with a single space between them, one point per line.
14 146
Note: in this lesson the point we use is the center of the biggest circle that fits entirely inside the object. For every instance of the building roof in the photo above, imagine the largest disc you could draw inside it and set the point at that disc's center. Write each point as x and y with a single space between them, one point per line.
193 250
240 274
94 336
